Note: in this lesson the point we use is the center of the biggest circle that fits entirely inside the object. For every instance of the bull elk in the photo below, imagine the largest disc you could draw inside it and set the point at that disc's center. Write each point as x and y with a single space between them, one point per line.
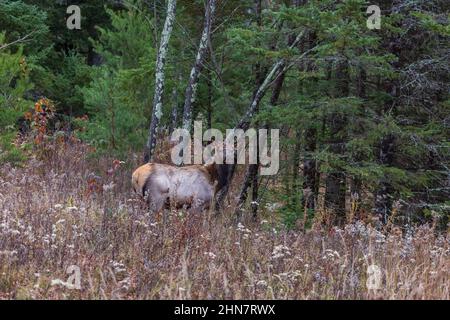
193 186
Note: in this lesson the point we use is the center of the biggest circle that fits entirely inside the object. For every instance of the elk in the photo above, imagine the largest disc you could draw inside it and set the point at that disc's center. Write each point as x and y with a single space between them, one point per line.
193 186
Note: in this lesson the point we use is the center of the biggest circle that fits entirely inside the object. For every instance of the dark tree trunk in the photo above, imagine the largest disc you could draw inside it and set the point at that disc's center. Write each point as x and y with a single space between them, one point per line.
355 181
385 157
309 170
251 175
280 67
361 85
310 174
248 178
335 184
383 198
296 164
255 201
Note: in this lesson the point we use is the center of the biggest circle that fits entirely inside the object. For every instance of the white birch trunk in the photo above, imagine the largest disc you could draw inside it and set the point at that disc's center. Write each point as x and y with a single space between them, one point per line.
191 89
159 80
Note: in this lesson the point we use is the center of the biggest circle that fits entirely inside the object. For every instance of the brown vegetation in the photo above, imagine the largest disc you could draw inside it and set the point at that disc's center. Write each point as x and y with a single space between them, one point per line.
66 209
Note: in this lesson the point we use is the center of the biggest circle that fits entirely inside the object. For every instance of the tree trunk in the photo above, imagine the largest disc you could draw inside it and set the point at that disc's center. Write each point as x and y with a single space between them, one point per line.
159 80
250 178
295 166
310 174
279 68
335 184
309 170
255 200
174 114
354 182
191 89
251 175
383 198
386 152
210 101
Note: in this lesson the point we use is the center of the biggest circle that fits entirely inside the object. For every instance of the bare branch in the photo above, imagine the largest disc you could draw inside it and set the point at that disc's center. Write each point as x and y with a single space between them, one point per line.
21 40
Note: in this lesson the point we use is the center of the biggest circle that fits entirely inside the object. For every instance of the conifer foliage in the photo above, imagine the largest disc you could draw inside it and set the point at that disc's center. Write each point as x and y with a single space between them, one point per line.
363 113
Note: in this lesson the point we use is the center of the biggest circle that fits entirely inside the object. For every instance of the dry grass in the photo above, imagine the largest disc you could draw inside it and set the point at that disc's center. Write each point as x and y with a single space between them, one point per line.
52 218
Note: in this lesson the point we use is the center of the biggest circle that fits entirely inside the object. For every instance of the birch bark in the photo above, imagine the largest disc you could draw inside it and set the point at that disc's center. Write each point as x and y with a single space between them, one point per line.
159 80
191 89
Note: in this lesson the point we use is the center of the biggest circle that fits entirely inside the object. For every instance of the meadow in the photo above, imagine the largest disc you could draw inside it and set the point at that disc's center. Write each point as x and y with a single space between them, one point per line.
65 208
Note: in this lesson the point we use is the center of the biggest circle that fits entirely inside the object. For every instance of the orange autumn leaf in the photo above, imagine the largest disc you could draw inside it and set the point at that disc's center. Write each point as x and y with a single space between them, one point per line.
28 115
38 107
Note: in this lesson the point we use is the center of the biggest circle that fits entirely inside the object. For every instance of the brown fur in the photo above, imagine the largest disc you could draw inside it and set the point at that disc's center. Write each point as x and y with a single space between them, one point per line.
156 182
140 176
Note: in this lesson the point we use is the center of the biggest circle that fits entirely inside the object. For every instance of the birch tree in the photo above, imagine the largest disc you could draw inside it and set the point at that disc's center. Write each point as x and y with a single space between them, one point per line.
191 89
278 69
159 80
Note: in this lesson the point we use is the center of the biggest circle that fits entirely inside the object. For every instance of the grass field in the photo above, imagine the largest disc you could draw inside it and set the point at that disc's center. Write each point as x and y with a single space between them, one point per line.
68 210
